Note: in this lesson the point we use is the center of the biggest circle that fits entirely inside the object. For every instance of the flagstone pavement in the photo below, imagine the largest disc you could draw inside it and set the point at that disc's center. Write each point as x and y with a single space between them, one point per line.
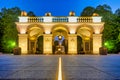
74 67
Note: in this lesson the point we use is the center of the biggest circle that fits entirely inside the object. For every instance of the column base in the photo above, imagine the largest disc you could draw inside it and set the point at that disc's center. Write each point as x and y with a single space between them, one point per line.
70 53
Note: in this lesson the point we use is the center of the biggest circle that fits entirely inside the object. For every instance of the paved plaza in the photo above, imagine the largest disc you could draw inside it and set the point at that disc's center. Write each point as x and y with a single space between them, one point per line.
74 67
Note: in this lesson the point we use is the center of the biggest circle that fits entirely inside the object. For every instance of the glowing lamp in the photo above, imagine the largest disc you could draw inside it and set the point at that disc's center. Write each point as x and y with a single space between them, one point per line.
60 37
59 49
13 44
87 38
109 45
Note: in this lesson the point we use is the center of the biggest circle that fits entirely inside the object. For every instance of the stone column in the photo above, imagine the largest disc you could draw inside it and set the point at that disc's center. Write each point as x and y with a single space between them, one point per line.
47 44
23 43
97 43
72 44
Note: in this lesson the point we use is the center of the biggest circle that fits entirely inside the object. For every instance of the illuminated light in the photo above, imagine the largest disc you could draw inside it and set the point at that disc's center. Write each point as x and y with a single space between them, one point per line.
59 49
87 38
22 31
106 44
32 38
11 44
47 32
109 45
72 32
97 31
60 70
59 37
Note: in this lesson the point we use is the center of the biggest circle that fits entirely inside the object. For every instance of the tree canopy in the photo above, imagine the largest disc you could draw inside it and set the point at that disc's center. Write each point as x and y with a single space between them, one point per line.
88 11
8 31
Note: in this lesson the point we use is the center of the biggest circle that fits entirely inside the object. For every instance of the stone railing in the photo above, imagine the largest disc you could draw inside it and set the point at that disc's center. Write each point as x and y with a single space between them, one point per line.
59 19
35 19
85 19
74 19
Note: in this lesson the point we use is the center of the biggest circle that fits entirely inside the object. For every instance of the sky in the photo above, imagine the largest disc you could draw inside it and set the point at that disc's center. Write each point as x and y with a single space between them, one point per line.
57 7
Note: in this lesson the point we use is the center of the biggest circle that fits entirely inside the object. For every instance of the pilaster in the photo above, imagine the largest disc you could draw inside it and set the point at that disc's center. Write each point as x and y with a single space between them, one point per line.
72 44
23 43
47 44
97 43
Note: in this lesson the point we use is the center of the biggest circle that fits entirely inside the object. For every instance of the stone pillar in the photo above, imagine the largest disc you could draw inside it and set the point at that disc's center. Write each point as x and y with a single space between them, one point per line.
23 43
97 43
72 44
47 44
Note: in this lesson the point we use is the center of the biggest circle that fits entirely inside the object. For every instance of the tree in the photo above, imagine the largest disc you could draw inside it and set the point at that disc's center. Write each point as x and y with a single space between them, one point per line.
88 11
117 12
1 32
8 19
31 14
105 11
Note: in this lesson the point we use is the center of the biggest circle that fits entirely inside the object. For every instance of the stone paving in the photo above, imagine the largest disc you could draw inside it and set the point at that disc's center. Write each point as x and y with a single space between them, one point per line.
74 67
28 67
92 67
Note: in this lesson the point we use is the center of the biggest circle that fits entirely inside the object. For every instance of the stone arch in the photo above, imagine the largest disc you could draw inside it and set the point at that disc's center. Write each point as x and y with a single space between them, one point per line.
62 30
86 33
34 31
85 28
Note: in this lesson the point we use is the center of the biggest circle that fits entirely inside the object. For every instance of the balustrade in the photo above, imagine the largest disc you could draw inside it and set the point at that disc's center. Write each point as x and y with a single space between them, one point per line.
84 19
57 19
60 19
35 19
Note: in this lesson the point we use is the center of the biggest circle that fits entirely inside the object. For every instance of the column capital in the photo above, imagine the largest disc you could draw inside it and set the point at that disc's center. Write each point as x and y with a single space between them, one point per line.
99 35
72 35
22 35
48 35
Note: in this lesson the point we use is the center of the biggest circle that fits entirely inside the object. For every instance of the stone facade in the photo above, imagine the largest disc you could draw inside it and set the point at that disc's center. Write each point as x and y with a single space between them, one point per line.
88 28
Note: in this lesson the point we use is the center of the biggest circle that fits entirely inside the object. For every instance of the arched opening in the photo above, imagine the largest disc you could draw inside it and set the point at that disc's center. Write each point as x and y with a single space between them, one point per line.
80 45
60 40
39 45
84 40
35 39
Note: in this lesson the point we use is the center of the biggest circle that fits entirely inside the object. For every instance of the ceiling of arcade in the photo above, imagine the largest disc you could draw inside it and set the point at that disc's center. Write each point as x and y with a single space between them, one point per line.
34 32
60 30
85 32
